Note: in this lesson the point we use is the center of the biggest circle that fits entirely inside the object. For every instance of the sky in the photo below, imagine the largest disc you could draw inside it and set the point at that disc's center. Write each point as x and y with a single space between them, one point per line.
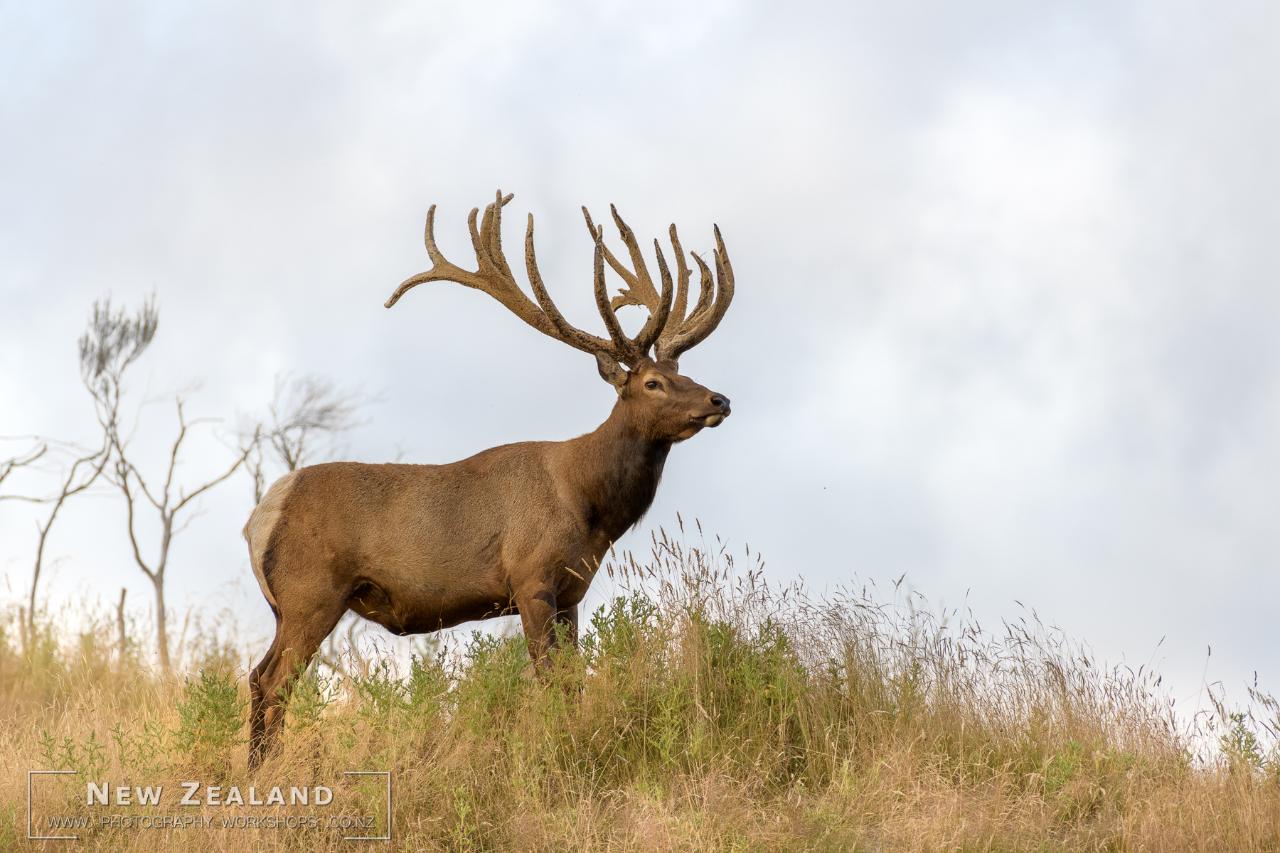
1006 277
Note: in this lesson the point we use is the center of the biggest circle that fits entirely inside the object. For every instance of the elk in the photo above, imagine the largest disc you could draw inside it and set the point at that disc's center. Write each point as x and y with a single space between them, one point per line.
516 529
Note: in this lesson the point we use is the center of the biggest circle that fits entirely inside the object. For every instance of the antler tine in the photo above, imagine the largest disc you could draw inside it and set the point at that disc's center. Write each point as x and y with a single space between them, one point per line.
597 233
441 268
491 234
706 290
642 290
682 277
620 340
482 237
429 238
569 334
608 308
670 341
707 314
658 319
638 291
722 255
494 276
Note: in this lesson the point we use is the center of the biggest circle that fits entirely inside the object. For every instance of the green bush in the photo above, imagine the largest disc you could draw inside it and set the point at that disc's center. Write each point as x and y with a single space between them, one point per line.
210 716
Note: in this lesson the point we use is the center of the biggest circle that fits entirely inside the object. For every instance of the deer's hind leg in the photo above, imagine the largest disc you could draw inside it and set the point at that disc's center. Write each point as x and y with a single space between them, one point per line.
257 710
300 630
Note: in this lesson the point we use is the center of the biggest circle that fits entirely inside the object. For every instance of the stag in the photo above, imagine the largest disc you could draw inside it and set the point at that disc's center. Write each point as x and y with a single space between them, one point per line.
516 529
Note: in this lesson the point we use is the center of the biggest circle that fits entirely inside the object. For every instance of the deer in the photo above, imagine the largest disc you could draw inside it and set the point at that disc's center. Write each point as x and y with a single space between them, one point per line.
519 529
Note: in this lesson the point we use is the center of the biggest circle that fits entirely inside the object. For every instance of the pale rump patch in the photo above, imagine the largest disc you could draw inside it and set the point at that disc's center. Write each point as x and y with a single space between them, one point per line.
262 521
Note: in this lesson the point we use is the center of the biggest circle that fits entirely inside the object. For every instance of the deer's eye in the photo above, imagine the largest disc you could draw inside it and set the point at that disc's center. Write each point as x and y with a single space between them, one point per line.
653 385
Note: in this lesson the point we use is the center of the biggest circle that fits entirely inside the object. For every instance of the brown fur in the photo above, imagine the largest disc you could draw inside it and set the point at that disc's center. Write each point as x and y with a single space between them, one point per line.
519 528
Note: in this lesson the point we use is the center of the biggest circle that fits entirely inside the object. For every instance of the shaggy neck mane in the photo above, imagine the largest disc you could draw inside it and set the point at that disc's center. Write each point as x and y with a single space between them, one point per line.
619 472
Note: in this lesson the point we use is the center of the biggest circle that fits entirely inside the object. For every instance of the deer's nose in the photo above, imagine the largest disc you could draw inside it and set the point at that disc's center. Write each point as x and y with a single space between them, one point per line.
720 401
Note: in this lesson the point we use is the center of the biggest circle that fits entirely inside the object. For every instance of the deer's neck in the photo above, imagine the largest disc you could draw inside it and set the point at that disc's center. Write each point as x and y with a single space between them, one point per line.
618 470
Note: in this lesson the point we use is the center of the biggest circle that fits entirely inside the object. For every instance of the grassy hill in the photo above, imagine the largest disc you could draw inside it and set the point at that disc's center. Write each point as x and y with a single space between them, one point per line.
704 711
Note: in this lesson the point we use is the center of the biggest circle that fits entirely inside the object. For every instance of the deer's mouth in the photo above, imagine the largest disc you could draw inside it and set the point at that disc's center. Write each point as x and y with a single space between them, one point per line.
712 420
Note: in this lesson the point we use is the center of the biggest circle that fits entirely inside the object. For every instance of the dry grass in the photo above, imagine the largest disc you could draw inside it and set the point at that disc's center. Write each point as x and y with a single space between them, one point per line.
706 710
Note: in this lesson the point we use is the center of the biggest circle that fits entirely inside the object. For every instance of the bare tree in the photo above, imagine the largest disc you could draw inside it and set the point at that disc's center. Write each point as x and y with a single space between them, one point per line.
172 505
303 410
107 348
82 473
305 414
8 467
114 341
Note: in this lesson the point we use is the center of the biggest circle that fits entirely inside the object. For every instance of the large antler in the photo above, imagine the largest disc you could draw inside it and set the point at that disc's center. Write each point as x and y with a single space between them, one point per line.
495 278
668 326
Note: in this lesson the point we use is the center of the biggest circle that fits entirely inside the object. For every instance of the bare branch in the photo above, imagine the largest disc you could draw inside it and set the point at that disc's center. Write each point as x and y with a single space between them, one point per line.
173 453
113 341
21 461
235 466
122 472
30 499
123 464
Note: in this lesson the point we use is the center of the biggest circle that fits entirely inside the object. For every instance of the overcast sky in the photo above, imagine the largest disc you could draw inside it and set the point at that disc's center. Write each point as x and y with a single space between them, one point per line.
1006 303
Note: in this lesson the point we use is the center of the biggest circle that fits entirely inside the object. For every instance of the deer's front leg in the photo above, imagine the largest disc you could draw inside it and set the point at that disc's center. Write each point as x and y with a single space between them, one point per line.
538 610
566 626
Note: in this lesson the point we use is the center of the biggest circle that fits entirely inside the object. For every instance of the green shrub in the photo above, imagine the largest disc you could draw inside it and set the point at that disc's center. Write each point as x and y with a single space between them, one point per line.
210 716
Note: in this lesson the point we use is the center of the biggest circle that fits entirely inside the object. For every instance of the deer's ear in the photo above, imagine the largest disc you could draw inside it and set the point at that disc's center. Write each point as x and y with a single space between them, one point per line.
612 372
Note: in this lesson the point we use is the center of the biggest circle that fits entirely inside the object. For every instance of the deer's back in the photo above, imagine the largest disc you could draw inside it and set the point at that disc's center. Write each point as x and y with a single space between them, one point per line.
404 520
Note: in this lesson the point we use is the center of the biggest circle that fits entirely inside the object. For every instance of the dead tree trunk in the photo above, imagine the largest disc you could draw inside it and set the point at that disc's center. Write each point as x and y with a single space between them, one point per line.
122 636
170 508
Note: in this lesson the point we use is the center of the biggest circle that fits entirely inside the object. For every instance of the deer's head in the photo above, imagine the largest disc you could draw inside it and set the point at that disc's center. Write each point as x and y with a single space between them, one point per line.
644 369
660 404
